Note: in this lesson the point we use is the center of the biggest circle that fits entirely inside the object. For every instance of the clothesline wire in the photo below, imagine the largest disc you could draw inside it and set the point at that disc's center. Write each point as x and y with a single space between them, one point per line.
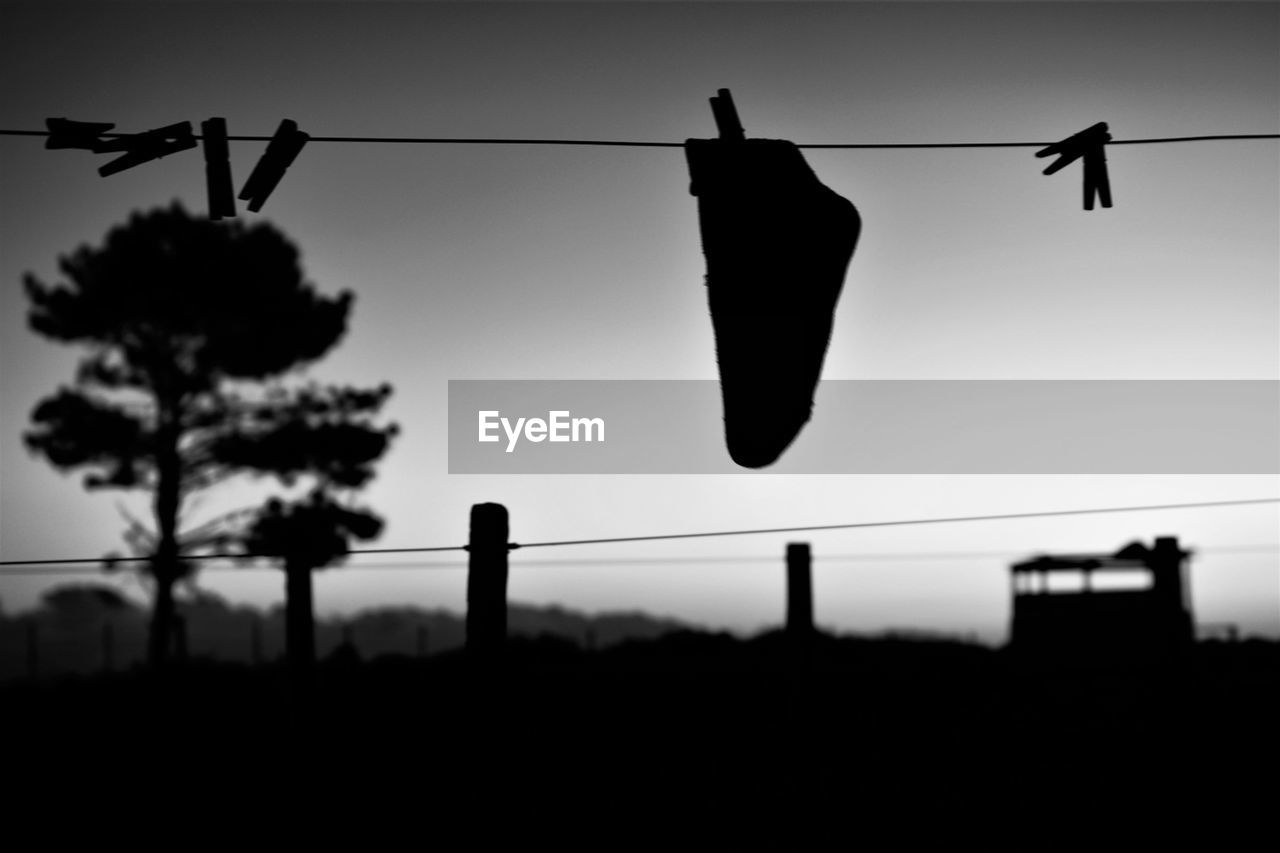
913 521
700 535
427 140
818 559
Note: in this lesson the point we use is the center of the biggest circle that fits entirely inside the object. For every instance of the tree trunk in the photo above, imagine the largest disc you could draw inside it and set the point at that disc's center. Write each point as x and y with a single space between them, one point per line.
299 618
166 568
160 640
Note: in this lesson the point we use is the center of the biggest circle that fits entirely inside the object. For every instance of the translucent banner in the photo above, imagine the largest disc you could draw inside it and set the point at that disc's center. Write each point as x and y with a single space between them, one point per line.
874 427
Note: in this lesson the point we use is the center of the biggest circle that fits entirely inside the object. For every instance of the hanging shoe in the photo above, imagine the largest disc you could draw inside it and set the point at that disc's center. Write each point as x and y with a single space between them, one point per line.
777 244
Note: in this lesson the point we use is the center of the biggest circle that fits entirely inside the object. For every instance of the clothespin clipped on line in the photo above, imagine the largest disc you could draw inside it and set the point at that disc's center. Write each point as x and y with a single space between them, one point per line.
726 116
281 151
1088 144
146 146
85 135
140 148
698 151
217 168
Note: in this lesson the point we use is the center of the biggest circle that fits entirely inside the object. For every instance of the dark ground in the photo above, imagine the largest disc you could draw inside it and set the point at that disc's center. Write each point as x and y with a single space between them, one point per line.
906 740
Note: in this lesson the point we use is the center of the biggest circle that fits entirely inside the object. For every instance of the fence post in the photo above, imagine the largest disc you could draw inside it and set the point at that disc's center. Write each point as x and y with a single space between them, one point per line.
799 591
487 579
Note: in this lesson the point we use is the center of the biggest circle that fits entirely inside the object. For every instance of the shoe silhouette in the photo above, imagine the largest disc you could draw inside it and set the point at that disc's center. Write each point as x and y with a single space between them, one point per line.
777 244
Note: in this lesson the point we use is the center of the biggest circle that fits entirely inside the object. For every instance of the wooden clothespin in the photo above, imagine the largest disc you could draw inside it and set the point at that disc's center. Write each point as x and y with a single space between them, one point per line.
85 135
217 168
281 151
146 146
1088 144
726 116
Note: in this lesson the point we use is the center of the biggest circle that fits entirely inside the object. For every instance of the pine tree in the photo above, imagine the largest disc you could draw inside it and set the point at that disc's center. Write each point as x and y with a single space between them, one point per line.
195 331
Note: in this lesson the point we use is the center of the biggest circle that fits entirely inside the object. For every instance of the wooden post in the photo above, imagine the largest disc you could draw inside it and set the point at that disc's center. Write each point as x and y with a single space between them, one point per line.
799 591
487 579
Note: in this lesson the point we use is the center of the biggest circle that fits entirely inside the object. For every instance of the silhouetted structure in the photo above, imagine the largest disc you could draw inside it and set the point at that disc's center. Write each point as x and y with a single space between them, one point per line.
1148 625
799 591
487 579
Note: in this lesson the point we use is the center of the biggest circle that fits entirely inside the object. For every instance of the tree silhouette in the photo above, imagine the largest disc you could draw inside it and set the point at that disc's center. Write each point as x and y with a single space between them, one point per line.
192 328
308 535
327 438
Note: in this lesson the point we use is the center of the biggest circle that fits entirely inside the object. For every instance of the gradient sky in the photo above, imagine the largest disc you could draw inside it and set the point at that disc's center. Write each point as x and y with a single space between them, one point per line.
506 262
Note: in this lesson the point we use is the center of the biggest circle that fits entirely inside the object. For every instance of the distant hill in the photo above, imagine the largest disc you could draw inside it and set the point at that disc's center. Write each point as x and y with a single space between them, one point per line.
87 627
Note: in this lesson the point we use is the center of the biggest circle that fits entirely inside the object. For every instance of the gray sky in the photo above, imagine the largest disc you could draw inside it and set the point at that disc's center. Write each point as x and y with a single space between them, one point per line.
497 262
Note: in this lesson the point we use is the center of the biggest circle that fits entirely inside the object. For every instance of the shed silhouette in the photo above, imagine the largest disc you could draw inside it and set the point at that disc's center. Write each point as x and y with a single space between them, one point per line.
1138 625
